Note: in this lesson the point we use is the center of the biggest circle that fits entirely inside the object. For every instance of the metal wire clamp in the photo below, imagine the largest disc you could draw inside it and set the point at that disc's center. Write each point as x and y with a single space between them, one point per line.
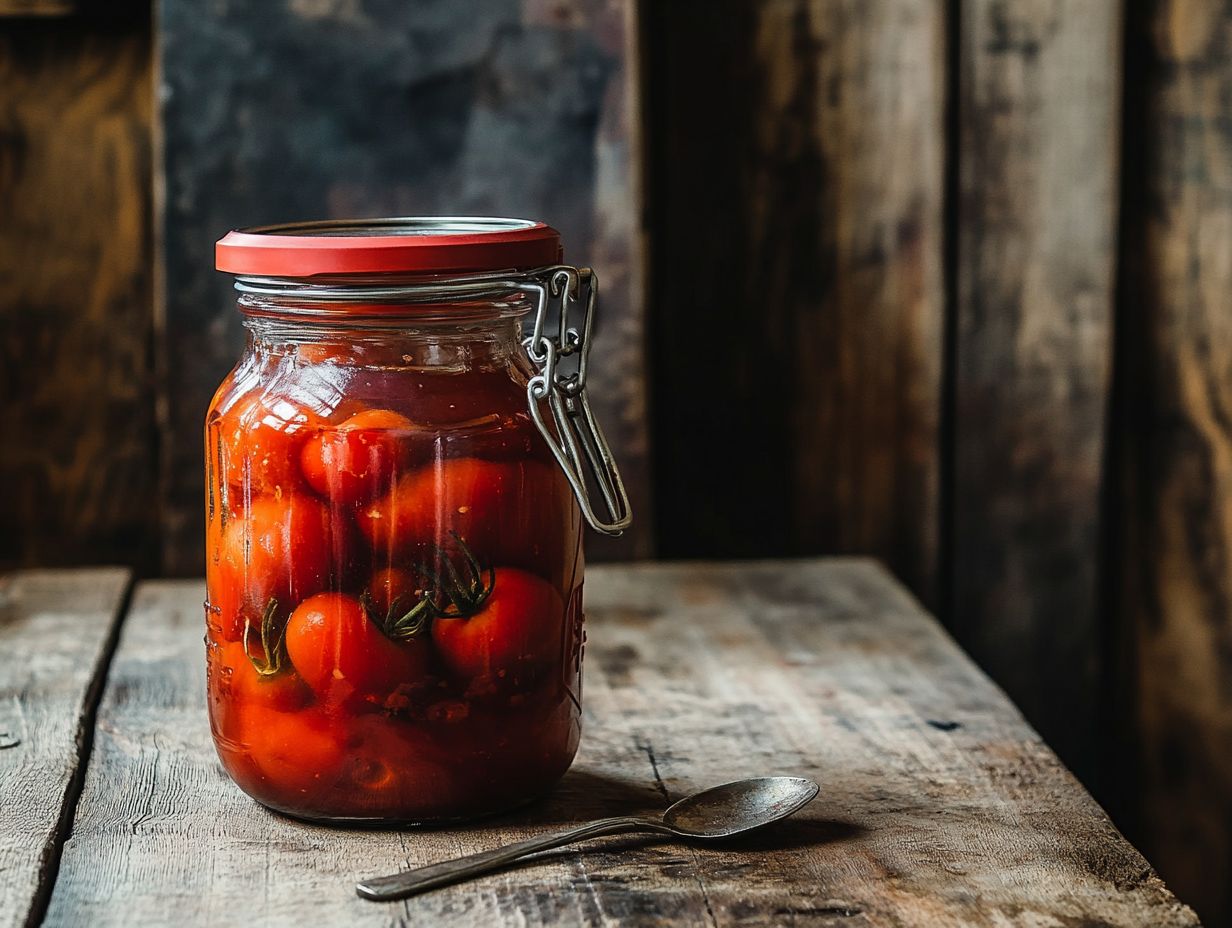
559 351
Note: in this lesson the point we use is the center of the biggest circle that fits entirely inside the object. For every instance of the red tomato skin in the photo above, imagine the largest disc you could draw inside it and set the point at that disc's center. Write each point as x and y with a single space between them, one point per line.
342 654
260 437
357 459
238 683
281 549
520 514
298 755
523 619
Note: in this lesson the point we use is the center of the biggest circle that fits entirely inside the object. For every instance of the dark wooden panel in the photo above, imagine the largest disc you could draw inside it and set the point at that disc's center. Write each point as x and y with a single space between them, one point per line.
939 806
1174 539
797 206
56 636
77 458
1038 121
37 7
324 108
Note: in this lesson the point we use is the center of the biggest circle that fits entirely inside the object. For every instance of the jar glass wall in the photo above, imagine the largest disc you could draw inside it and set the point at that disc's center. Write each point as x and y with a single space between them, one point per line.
394 564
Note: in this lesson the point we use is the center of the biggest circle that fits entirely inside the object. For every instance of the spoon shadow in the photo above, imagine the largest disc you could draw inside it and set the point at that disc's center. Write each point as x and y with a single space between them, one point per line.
792 834
750 814
785 835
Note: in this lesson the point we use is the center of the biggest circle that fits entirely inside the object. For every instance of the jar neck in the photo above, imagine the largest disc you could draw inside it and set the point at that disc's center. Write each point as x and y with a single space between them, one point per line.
431 321
495 341
388 298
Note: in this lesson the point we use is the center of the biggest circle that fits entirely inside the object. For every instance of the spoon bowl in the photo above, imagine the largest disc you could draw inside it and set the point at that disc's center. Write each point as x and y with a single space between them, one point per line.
735 808
719 812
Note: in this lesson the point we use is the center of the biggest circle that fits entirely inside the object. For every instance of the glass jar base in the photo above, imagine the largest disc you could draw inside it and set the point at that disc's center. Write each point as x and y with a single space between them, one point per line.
385 823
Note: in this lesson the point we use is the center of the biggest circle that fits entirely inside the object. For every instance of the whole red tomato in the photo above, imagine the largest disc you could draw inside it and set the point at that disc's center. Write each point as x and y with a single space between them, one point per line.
342 653
522 619
239 684
259 439
517 513
356 460
296 753
281 550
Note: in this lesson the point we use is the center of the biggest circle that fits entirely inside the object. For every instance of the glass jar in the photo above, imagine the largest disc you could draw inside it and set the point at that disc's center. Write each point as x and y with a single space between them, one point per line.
396 484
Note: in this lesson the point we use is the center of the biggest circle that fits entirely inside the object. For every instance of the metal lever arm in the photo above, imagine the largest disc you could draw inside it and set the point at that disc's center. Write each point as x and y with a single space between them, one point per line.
574 436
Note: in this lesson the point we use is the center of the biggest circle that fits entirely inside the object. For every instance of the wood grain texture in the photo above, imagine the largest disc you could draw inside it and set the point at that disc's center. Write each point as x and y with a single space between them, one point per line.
335 108
798 150
1174 538
37 7
77 457
56 632
1037 173
939 806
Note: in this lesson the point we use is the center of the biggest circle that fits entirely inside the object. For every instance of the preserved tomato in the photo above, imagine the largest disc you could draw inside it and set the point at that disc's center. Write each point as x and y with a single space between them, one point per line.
356 460
394 540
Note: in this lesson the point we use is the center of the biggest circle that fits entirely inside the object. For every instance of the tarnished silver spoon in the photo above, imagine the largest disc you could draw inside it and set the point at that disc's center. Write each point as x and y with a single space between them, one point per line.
720 812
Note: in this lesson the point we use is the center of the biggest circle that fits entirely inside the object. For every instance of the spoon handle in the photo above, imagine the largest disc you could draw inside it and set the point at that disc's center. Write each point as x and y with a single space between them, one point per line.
410 882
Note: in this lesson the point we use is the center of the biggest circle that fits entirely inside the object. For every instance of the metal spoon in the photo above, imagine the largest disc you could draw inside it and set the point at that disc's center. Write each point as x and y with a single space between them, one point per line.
720 812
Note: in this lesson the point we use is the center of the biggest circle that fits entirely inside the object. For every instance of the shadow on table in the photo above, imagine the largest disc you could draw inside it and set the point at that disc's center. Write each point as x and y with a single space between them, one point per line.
788 835
797 832
584 795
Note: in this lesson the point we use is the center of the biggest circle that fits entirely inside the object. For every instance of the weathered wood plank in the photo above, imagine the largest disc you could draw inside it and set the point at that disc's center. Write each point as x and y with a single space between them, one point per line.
1174 534
939 805
77 459
1039 118
797 159
56 634
342 109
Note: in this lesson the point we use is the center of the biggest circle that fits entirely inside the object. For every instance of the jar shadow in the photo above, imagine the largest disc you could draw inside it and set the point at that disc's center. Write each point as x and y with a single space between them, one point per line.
583 794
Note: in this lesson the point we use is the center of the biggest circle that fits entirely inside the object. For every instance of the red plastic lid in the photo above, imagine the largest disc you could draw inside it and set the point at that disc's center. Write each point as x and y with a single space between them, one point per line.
378 246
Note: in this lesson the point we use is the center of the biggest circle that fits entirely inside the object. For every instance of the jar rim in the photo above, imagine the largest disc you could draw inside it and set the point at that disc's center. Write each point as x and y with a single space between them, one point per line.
435 245
390 297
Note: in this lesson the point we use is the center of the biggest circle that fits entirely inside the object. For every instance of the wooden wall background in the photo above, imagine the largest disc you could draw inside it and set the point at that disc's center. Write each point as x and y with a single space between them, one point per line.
945 282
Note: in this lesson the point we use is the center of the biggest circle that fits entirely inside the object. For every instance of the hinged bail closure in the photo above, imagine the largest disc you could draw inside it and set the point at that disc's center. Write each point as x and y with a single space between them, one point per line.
577 441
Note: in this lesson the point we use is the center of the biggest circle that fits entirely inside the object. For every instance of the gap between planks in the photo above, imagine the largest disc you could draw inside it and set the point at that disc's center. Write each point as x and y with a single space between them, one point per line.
114 587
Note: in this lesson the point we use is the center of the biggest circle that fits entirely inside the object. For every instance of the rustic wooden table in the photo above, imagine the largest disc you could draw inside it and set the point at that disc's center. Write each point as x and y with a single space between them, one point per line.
939 805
